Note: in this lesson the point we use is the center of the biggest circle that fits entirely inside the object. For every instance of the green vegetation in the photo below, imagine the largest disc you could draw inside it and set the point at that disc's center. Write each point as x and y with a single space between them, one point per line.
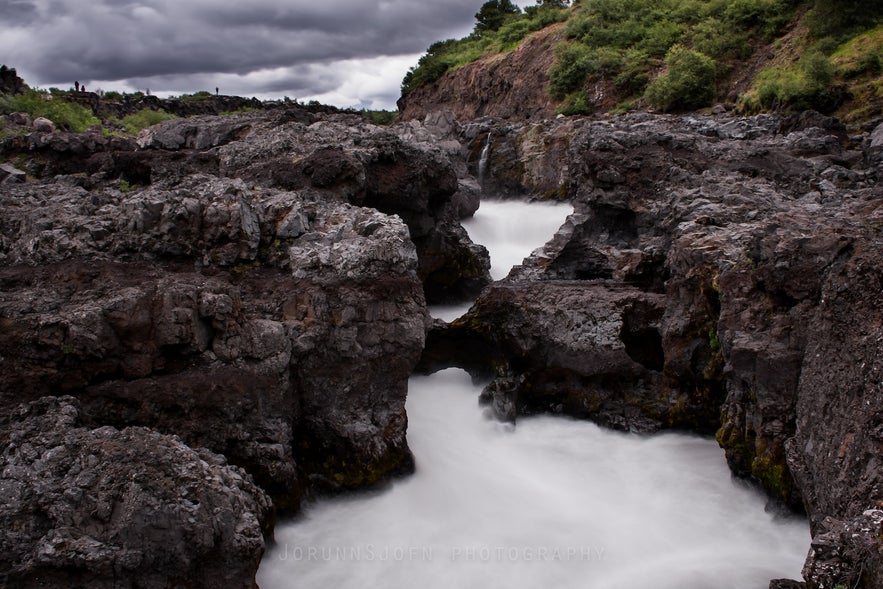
624 42
144 118
675 55
500 27
380 117
66 115
686 84
799 87
200 96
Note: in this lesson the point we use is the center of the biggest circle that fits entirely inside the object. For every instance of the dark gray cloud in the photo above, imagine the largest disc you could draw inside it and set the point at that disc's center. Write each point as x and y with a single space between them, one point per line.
303 48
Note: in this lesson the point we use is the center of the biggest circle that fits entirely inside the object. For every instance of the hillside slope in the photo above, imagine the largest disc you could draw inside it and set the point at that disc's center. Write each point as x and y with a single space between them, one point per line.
501 85
668 55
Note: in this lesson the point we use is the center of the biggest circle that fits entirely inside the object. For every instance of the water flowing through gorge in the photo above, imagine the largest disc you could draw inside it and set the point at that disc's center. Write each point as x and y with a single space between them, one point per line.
552 502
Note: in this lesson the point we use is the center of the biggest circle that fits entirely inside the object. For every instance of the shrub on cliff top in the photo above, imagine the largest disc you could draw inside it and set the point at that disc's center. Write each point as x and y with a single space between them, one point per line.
687 83
493 14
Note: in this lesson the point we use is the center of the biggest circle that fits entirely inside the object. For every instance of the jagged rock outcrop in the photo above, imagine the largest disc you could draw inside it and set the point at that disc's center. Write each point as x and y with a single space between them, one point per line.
513 84
337 157
116 508
758 242
587 351
275 329
10 83
345 158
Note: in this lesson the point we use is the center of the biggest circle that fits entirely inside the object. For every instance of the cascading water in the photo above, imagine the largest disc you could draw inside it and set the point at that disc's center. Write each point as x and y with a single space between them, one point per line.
483 159
550 503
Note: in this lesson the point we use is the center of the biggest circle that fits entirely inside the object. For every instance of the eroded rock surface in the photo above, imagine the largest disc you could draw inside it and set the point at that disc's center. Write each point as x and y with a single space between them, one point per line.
255 322
749 252
103 507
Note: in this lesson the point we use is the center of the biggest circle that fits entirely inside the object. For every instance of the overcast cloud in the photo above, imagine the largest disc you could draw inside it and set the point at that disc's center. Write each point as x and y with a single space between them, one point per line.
342 52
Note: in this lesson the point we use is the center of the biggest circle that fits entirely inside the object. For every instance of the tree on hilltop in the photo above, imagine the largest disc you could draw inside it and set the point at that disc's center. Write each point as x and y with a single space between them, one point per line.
493 14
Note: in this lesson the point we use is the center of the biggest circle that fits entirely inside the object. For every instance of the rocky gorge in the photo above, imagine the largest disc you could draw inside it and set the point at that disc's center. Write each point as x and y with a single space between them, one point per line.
207 325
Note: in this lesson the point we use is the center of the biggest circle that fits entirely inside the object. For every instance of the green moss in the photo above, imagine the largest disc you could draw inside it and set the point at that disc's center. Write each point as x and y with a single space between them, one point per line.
774 477
246 267
714 342
740 451
351 475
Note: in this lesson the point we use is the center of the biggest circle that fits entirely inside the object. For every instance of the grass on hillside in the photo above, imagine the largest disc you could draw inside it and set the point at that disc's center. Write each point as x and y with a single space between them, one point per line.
444 56
667 53
671 54
66 115
823 77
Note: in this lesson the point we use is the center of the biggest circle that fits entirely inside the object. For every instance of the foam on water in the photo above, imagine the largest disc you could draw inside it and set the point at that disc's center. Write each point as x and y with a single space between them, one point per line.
550 503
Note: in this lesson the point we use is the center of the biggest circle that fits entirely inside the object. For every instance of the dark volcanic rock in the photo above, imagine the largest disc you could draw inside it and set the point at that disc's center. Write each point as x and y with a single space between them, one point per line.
276 330
754 247
10 83
570 347
110 508
343 157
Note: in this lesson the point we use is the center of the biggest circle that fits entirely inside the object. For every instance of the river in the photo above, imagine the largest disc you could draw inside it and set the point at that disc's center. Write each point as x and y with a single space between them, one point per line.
552 502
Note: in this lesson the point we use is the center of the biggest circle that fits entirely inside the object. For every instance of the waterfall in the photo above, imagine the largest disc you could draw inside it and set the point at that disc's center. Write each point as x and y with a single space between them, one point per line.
483 159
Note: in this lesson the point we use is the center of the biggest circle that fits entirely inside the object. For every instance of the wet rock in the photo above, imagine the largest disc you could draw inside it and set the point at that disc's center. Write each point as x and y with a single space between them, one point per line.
846 553
563 347
120 508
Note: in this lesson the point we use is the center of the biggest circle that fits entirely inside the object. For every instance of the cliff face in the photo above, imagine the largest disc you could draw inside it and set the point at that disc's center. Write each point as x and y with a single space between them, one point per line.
219 282
718 274
507 85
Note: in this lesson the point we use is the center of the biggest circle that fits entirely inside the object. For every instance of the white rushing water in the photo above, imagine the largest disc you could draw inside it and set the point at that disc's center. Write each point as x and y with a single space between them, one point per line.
550 503
511 230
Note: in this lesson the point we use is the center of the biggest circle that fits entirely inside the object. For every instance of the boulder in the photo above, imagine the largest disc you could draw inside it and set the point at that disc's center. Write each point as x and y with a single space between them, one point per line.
562 347
114 508
43 125
9 174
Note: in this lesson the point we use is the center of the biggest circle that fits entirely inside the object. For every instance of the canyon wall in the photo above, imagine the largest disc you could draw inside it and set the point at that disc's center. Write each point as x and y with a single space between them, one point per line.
719 275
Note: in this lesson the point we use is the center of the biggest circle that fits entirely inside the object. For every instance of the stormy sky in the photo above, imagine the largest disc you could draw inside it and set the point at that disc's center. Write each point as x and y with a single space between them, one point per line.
341 52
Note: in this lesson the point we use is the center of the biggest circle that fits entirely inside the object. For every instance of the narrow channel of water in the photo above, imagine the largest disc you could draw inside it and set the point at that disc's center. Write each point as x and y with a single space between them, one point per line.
511 230
550 503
